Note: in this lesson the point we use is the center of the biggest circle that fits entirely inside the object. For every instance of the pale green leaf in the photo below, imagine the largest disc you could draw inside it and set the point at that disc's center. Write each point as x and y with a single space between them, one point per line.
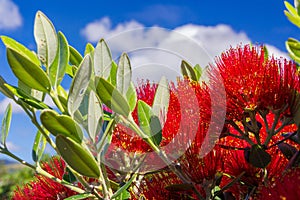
161 100
58 67
124 74
6 124
79 84
94 115
131 96
188 71
102 60
46 38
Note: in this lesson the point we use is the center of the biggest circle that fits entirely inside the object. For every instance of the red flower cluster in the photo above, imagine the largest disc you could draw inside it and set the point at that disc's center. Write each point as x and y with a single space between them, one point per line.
45 188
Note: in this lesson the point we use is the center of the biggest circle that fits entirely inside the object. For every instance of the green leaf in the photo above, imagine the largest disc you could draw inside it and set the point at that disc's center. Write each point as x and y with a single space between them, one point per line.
113 74
75 56
290 8
198 71
89 48
156 130
258 157
102 60
149 123
58 67
21 49
31 92
161 100
188 71
79 84
46 38
131 96
30 100
4 90
79 196
293 47
293 19
77 157
122 192
112 98
39 146
28 72
123 74
61 124
6 124
94 115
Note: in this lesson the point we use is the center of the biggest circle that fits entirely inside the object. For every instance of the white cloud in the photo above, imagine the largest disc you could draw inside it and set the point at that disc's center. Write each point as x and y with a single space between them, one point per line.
10 17
4 103
156 51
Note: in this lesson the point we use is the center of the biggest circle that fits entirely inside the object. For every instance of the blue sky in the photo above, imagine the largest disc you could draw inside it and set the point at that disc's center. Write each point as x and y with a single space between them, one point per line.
216 24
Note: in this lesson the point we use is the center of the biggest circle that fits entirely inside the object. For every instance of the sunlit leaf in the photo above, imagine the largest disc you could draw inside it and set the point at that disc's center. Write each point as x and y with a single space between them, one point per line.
4 90
123 74
79 84
122 192
161 100
79 196
6 124
113 74
77 157
89 48
30 100
131 96
112 98
21 49
94 114
102 60
198 71
61 124
28 72
58 67
75 57
45 38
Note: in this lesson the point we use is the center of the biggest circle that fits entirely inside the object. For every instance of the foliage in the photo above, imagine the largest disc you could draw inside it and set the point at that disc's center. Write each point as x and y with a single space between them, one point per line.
229 136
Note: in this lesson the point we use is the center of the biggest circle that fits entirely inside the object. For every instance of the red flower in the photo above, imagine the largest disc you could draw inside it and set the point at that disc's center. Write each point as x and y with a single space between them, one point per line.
182 119
235 164
254 82
44 188
286 188
161 186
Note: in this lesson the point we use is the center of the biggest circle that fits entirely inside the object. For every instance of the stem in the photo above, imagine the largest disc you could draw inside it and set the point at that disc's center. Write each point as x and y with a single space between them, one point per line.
236 127
42 172
56 100
271 132
23 162
130 122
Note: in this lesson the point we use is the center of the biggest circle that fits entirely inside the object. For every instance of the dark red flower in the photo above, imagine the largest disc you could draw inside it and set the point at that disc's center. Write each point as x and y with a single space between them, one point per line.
254 82
286 188
161 186
44 188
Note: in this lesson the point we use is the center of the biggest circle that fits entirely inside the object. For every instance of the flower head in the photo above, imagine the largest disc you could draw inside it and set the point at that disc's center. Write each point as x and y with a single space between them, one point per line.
254 82
45 188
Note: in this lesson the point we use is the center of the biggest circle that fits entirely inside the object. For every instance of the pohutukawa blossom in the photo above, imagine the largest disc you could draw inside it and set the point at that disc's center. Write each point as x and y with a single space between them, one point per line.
183 117
44 188
252 178
253 81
